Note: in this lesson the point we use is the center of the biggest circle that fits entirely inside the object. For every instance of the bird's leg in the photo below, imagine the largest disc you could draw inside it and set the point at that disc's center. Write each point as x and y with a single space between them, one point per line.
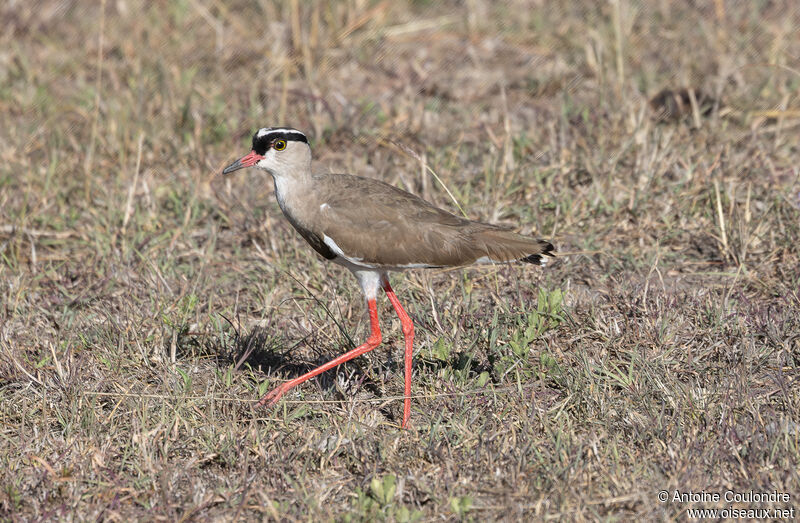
373 341
408 336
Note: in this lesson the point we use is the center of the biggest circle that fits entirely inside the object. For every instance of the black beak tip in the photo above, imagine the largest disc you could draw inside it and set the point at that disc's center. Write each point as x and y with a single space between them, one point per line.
235 166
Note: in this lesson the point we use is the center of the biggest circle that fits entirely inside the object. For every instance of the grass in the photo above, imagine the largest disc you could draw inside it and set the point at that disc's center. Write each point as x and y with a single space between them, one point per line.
147 302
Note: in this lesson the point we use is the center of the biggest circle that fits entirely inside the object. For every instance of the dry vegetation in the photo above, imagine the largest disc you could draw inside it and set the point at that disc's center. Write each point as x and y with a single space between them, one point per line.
146 302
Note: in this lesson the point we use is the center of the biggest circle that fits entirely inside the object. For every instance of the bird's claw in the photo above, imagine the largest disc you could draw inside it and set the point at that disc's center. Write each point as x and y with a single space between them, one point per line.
272 397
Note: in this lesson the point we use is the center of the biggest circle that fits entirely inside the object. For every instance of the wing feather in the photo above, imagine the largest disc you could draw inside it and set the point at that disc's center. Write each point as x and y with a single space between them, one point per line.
381 225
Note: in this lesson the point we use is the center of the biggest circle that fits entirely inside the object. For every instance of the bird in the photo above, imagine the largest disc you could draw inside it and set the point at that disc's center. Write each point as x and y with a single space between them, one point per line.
373 228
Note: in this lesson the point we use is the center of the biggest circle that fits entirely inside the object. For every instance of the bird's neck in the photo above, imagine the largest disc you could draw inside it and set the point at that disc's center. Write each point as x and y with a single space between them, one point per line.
291 188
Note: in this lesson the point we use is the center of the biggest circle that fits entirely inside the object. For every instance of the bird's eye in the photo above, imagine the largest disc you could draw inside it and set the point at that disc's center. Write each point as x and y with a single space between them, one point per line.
279 145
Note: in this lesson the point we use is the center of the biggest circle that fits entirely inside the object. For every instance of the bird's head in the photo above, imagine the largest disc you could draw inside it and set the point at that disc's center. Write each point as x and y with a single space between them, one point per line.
281 151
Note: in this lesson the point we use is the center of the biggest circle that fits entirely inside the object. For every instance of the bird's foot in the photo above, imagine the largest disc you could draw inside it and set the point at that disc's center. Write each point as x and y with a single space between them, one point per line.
272 397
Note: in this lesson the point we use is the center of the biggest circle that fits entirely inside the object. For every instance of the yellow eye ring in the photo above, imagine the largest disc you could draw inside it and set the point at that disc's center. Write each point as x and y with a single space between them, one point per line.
279 145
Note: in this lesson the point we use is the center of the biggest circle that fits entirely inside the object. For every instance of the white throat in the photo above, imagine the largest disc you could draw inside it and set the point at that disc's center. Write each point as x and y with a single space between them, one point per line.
285 188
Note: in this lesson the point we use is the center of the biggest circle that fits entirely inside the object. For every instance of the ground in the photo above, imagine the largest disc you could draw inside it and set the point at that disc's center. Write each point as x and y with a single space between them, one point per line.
147 301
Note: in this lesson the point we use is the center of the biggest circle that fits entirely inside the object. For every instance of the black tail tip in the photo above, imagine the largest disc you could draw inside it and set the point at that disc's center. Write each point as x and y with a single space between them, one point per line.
540 258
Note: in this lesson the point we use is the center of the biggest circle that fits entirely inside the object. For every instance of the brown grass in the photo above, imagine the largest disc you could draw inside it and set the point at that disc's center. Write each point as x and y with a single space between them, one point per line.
135 279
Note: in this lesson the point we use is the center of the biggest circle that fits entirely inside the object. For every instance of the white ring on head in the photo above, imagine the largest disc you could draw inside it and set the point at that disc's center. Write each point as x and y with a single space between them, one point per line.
278 130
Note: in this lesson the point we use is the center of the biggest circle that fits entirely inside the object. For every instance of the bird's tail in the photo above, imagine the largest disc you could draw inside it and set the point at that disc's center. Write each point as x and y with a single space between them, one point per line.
500 245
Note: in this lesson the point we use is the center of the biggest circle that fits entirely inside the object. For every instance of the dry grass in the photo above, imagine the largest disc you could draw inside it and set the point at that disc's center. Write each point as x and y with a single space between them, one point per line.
134 278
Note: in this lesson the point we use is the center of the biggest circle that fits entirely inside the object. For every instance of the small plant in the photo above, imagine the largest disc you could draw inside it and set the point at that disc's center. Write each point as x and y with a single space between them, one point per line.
547 315
13 497
460 505
187 380
383 490
549 367
378 503
441 350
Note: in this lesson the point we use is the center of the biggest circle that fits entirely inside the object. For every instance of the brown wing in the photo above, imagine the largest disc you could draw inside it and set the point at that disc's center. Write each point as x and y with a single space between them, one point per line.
379 224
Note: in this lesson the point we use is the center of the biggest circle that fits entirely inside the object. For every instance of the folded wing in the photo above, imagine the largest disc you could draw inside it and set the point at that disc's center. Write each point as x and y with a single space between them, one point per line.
376 224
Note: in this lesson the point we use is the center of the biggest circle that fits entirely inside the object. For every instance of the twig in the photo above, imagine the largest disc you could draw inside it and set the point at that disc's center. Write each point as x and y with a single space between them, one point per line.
721 218
132 189
410 152
87 165
363 19
36 233
420 25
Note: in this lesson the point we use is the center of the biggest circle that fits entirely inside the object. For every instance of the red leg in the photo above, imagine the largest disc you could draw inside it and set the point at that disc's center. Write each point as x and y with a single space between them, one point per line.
272 397
408 335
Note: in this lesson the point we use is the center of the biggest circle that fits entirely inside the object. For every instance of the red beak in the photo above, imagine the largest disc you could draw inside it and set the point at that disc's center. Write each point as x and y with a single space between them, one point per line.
246 161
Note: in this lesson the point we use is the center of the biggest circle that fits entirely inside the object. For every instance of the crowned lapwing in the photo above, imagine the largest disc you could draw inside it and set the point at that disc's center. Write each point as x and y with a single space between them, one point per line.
373 228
